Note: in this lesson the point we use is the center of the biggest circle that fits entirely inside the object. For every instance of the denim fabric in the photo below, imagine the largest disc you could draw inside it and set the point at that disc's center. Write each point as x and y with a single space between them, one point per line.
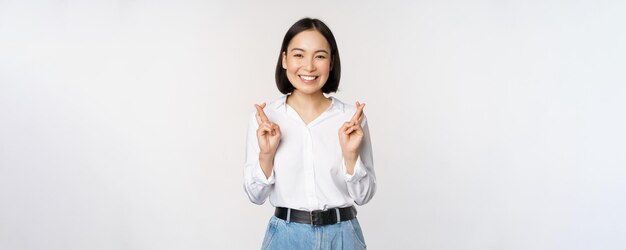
343 235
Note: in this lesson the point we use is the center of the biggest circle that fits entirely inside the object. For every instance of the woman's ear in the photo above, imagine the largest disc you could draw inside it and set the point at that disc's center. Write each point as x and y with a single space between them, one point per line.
284 60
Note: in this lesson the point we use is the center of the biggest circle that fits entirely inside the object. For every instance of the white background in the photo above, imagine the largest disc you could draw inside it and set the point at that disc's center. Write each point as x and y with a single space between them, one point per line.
495 124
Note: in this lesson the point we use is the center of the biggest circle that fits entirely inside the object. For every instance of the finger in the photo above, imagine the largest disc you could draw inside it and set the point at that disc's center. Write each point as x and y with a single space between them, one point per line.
276 129
358 130
349 130
274 125
264 128
257 114
344 127
355 127
261 117
362 116
358 113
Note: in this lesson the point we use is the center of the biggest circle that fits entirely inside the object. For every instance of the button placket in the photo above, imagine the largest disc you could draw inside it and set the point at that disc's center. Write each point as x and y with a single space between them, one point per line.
309 168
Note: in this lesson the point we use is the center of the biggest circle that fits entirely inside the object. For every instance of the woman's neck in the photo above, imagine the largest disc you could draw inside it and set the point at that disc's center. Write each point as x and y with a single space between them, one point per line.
309 102
308 106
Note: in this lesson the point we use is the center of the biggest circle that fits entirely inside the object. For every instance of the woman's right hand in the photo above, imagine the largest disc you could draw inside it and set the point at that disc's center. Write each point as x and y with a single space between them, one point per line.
268 133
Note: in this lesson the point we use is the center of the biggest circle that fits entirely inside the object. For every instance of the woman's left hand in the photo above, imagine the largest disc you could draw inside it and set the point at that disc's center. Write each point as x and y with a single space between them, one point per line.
351 134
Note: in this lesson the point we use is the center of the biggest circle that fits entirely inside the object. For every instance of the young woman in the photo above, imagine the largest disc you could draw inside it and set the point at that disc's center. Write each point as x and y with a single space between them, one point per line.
309 153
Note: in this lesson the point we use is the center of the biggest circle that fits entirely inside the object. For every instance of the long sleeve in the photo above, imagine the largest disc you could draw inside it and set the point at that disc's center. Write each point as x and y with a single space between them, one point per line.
256 185
362 183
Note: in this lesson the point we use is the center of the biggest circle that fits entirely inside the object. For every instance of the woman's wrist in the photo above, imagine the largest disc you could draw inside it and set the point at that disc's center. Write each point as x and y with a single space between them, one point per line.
350 155
266 160
268 155
350 162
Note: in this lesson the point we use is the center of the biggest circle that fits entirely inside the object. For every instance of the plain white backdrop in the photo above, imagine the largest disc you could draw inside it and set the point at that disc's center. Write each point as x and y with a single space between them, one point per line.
495 124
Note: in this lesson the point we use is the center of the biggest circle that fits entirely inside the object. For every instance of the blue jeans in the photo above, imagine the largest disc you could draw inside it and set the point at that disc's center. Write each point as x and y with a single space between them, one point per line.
343 235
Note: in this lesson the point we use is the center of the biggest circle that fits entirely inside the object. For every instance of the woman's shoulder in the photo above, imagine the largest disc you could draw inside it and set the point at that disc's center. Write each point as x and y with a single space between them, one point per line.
272 105
270 108
277 102
346 108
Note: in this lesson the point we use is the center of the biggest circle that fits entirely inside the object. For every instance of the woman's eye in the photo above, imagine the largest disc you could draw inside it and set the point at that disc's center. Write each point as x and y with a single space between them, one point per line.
297 55
321 57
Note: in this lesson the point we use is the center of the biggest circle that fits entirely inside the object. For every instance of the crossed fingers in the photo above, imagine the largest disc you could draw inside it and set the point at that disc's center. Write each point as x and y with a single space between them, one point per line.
358 115
265 125
260 115
355 121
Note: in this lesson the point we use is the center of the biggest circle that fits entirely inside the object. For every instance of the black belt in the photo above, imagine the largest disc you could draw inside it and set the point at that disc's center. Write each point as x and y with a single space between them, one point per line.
317 217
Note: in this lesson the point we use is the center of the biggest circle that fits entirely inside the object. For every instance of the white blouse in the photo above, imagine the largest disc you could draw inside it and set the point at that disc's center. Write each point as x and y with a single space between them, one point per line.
309 172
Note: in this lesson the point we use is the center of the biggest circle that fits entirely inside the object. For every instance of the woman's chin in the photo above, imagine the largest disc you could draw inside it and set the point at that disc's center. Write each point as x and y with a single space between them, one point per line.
308 90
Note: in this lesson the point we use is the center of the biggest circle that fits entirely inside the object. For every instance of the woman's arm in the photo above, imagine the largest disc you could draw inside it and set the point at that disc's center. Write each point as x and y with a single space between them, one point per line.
261 143
268 137
362 181
356 148
351 137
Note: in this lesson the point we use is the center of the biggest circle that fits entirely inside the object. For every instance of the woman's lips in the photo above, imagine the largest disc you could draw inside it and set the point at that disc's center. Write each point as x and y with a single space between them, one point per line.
307 78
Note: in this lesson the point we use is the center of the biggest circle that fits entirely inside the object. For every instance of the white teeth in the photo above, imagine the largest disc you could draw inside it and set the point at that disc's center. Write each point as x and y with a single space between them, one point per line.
308 78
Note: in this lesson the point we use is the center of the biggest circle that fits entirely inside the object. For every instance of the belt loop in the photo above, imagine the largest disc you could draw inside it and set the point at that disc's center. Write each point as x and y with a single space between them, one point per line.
288 215
338 215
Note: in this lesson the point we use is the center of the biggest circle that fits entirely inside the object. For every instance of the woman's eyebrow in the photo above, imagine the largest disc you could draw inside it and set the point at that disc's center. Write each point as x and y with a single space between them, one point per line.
319 50
322 50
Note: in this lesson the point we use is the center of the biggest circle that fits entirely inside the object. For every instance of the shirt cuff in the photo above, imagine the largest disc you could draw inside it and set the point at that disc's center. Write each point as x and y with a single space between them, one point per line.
259 176
359 172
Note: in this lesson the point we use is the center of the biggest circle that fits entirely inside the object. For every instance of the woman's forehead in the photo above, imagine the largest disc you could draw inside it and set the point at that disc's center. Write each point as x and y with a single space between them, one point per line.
309 40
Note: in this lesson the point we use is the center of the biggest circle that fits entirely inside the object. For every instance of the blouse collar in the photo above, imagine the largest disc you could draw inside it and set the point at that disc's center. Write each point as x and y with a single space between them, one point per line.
281 103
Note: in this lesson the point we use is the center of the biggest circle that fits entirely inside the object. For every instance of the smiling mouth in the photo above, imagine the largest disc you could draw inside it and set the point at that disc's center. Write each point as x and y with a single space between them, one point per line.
308 78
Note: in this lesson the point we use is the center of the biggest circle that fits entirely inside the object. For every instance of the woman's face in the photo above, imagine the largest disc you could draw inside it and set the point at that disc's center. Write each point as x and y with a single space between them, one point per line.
307 61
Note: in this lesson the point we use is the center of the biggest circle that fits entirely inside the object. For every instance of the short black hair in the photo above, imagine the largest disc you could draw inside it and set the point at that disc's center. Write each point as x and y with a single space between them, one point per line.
283 84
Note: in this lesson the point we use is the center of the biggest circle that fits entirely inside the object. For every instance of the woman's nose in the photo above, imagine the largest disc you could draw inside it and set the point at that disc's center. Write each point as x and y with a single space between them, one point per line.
309 65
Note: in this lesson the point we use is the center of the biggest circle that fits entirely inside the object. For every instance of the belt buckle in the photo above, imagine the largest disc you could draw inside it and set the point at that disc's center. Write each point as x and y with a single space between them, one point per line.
316 219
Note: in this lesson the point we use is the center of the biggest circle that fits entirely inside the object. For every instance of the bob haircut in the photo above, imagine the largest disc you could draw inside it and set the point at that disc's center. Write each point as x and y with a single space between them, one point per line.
331 85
